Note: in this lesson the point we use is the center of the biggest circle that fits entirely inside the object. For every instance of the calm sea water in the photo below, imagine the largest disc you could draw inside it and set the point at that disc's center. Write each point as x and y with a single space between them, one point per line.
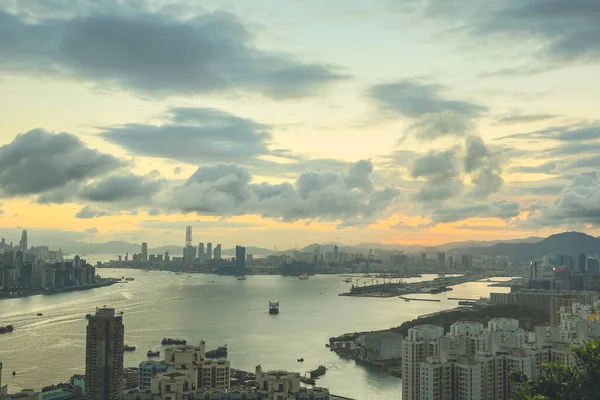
221 310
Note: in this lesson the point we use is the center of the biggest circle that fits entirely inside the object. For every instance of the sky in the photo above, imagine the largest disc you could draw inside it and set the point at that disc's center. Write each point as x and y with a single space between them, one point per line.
283 123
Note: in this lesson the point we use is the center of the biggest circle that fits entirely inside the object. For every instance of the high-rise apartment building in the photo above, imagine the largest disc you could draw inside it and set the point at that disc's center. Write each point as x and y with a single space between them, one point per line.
144 252
218 252
441 260
104 355
240 260
209 250
200 250
422 342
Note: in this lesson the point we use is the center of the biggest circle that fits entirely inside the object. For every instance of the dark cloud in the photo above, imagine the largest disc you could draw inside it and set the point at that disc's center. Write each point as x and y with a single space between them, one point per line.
91 212
535 189
498 209
226 190
484 166
439 169
91 231
524 118
37 161
177 170
587 162
577 203
414 99
196 225
195 135
157 54
122 187
546 168
574 132
568 29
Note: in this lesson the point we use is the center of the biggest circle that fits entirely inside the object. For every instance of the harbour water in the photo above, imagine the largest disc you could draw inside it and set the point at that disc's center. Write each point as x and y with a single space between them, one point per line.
220 310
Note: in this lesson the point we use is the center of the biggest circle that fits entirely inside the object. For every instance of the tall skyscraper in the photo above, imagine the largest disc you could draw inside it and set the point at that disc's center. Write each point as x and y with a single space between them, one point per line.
23 242
144 252
240 260
188 236
335 253
209 250
441 260
104 355
200 250
582 263
218 252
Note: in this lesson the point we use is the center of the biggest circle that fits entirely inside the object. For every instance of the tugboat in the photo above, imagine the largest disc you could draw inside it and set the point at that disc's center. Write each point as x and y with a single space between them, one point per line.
318 372
303 277
39 314
301 360
273 307
241 278
221 352
151 353
167 341
6 329
128 348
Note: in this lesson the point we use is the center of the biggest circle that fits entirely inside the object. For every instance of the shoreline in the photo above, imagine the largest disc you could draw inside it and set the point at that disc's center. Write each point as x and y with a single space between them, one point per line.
104 283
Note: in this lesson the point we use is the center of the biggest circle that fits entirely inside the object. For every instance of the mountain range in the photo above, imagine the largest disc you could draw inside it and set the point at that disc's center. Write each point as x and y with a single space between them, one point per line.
531 247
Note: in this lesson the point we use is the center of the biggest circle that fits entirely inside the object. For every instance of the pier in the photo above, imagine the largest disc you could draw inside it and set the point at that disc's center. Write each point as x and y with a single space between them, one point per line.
462 299
413 299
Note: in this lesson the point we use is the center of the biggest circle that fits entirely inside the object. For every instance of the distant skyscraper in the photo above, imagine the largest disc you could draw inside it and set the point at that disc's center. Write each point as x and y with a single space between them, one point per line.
533 274
144 252
200 249
167 258
188 236
335 253
209 250
240 260
441 260
23 242
218 252
581 263
104 356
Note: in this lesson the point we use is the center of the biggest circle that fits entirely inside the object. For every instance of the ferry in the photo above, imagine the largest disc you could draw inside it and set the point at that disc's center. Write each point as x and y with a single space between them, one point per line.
273 307
217 353
241 278
318 372
303 277
128 348
6 329
151 353
170 341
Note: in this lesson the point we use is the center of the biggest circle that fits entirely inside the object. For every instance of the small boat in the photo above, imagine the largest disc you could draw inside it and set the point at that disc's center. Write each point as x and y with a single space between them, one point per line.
273 307
129 279
88 316
348 280
6 329
318 372
39 314
303 277
301 360
14 373
128 348
121 312
217 353
167 341
151 353
241 278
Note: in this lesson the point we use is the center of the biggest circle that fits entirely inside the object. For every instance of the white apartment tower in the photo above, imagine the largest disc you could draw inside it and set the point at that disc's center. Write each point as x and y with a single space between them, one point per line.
422 342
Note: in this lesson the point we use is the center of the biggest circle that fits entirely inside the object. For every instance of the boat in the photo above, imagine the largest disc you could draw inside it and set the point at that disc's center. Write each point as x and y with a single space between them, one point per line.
151 353
348 280
121 312
273 307
14 373
241 278
217 353
167 341
39 314
6 329
130 279
128 348
301 360
318 372
303 277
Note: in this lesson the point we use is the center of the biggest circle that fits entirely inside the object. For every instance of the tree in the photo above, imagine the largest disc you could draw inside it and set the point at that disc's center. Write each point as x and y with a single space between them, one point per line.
560 382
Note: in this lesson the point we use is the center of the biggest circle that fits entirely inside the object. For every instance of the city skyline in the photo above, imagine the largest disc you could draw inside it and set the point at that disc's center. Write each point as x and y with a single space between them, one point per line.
448 129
